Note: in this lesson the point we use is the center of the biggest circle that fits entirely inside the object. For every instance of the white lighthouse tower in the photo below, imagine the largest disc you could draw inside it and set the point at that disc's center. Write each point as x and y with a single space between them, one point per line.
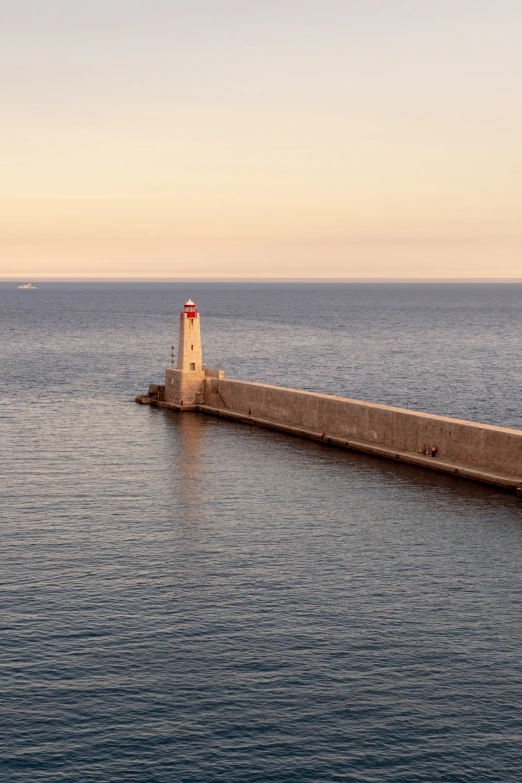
190 358
184 383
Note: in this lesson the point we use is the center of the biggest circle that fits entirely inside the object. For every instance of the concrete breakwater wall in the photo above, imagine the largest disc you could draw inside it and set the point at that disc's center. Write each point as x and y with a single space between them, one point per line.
478 451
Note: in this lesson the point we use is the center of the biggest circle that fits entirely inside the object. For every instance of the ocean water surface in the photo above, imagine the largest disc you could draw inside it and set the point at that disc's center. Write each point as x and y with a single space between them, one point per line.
185 599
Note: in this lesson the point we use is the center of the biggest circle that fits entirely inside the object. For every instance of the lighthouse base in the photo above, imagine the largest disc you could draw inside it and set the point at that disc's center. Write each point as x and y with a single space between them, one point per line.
183 388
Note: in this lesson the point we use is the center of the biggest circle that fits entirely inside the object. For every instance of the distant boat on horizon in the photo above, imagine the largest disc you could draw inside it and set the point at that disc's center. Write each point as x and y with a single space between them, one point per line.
27 285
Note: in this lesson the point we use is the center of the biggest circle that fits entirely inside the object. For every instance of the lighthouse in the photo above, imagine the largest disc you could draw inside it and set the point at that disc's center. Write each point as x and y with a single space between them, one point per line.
190 358
184 384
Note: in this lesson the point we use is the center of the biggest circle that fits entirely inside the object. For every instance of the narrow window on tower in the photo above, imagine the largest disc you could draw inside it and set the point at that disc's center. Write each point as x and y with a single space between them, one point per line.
191 347
192 366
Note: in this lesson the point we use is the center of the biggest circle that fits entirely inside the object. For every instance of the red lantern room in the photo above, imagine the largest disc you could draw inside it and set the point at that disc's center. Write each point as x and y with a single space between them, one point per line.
189 310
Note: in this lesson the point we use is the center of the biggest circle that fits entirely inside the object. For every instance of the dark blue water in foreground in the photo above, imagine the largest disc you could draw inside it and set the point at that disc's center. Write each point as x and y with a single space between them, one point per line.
190 600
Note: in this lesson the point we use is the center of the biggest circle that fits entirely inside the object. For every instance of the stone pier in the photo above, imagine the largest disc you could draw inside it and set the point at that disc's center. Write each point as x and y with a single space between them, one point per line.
482 452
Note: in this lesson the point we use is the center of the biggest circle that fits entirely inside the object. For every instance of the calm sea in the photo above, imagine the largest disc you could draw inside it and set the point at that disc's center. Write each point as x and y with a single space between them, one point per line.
190 600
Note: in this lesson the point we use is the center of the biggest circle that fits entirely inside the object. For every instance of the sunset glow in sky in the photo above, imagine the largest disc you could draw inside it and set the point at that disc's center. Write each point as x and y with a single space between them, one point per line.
342 138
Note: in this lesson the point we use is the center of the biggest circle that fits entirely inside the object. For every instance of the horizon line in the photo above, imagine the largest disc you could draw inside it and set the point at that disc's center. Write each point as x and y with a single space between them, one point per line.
121 278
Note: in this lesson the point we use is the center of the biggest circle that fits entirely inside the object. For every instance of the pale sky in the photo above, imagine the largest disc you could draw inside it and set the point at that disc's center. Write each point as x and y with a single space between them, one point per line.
334 138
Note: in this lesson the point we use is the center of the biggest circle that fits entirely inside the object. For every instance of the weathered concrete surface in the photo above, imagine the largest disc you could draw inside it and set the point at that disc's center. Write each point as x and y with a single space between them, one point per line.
183 389
479 451
214 373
